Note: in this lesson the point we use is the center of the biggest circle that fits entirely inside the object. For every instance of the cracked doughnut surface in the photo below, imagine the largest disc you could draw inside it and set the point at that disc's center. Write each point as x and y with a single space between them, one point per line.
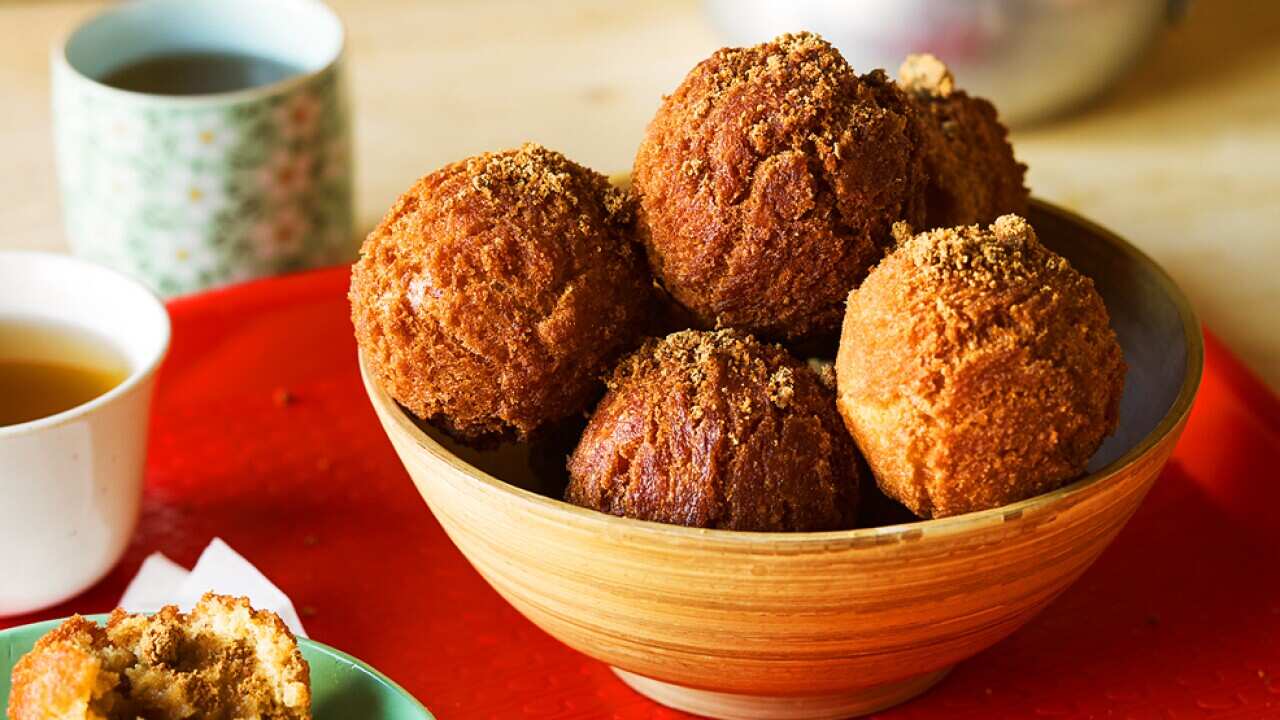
498 290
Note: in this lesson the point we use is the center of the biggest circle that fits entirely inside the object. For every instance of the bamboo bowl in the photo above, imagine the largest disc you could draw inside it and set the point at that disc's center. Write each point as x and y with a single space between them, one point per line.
817 625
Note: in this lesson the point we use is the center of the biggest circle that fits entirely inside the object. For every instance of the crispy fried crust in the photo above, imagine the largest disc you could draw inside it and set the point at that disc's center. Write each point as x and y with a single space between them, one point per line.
977 368
716 430
65 676
498 289
769 180
222 661
973 175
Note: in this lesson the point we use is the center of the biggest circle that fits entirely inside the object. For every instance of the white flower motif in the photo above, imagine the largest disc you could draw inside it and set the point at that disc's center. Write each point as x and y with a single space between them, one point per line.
202 135
297 117
286 174
196 197
184 256
118 132
279 236
123 187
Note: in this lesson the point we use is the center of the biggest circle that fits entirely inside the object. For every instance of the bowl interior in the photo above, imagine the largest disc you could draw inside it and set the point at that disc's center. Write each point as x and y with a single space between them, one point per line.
341 686
1157 330
1147 317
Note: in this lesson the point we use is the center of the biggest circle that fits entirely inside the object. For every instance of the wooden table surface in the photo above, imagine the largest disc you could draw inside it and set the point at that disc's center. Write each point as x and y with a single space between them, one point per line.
1182 158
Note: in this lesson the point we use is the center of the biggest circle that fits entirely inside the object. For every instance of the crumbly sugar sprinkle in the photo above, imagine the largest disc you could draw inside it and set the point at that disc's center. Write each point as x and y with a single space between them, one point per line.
694 351
924 75
535 174
1005 253
805 55
782 386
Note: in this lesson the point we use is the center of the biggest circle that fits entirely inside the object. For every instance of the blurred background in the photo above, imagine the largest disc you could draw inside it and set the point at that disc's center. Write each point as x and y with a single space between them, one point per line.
1159 120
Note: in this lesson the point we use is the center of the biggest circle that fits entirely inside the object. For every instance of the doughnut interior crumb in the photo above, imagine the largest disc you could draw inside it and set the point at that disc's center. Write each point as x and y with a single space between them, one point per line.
222 661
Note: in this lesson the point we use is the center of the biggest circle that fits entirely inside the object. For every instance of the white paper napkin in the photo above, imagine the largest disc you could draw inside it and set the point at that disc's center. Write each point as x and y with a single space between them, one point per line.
160 582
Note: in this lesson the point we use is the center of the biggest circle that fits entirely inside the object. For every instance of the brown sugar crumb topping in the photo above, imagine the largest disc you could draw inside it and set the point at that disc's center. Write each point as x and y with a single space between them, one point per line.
801 54
534 175
782 387
927 76
825 370
1006 253
902 232
693 351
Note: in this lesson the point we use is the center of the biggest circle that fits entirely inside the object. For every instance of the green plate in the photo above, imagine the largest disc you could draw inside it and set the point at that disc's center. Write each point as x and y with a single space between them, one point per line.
341 686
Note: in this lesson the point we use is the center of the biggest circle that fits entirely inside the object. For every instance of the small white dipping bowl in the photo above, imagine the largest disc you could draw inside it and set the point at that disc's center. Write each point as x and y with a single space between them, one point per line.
71 483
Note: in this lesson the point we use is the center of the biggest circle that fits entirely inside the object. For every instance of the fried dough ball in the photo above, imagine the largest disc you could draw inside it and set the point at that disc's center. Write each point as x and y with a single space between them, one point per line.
769 181
973 176
498 290
717 430
222 661
976 368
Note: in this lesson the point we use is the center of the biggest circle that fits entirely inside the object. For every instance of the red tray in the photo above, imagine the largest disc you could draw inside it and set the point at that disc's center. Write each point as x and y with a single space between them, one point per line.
262 435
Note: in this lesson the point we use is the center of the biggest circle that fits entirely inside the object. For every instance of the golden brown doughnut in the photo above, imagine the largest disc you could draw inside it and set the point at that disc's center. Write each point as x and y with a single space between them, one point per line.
973 176
769 181
976 368
498 290
717 430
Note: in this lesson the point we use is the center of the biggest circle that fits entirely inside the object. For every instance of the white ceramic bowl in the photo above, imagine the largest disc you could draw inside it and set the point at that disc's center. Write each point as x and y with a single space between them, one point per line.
71 483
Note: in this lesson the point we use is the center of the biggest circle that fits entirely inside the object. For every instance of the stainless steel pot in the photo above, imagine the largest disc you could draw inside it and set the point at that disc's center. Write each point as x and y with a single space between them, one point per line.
1032 58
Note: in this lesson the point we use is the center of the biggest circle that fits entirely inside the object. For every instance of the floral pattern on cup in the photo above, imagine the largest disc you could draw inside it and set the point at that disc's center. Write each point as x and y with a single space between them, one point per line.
189 196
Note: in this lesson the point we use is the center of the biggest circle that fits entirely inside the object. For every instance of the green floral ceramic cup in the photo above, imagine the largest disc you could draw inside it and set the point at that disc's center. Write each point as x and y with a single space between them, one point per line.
189 192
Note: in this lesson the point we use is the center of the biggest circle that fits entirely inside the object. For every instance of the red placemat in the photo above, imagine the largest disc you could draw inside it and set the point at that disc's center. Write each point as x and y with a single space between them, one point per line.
262 435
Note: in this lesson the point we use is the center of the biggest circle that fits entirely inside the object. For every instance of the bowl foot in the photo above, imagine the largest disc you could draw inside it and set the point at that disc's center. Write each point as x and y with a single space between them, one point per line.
732 706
